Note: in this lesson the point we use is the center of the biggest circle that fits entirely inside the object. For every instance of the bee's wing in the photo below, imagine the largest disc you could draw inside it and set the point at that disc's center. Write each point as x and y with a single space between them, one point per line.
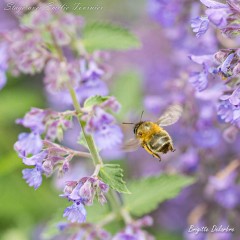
170 116
131 145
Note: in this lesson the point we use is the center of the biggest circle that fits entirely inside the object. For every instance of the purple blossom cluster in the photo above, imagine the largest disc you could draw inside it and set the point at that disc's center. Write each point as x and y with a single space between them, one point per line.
134 231
82 193
47 40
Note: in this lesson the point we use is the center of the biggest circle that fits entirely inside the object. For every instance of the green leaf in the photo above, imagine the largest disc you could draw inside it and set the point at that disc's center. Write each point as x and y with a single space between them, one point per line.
112 174
104 36
91 101
148 193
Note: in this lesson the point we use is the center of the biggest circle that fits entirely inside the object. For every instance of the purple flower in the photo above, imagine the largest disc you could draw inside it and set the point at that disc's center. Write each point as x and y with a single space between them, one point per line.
27 51
28 143
40 15
229 197
36 159
86 189
217 12
61 37
33 177
200 25
199 81
133 231
105 133
76 213
108 136
225 111
164 11
111 104
207 137
58 74
224 68
234 98
224 190
189 161
34 120
213 4
91 87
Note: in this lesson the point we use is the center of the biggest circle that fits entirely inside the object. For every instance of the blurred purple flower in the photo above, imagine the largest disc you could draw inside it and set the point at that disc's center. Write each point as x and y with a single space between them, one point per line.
199 80
189 161
28 143
200 25
217 12
91 82
207 137
227 111
224 190
225 66
228 198
60 36
3 64
27 51
34 120
105 133
76 213
233 98
134 231
33 177
164 11
58 74
85 190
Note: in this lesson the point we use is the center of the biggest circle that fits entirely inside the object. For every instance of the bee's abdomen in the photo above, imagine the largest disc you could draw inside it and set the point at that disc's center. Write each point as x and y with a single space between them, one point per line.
160 142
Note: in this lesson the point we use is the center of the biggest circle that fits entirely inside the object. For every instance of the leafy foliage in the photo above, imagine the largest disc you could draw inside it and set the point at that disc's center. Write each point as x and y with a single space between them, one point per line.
102 36
91 101
112 174
148 193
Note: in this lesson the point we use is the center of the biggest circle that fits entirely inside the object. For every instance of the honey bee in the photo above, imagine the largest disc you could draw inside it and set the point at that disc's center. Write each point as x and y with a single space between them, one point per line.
151 136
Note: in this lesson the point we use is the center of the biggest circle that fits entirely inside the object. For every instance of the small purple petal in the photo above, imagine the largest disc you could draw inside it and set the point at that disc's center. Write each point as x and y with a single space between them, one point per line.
199 81
75 213
28 143
33 177
108 136
200 25
234 99
226 64
75 193
35 159
213 4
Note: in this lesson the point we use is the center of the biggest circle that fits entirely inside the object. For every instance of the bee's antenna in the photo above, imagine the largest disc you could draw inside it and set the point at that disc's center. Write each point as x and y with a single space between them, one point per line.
141 116
127 123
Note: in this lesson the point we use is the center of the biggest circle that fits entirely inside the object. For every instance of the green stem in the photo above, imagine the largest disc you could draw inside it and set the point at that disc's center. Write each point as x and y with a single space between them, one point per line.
89 139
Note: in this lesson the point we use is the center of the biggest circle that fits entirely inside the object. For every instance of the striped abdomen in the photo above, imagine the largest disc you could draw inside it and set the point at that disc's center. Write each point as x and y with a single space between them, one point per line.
160 142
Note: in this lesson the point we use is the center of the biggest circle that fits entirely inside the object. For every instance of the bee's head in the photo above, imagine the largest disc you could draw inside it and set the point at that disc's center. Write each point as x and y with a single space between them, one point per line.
137 125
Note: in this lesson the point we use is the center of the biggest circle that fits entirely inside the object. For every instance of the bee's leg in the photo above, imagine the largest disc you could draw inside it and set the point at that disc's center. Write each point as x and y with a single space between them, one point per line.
159 157
172 149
